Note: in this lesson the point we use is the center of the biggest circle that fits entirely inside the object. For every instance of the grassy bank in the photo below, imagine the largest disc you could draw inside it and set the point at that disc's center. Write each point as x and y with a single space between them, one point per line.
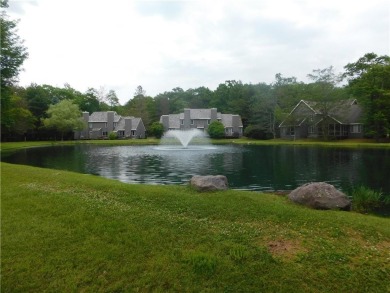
364 143
66 232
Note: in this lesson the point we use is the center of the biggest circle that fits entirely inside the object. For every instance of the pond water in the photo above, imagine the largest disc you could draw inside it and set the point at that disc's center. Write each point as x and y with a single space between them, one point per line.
262 168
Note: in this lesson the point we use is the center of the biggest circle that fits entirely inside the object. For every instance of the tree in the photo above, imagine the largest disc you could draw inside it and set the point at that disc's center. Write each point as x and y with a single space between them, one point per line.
324 92
112 99
89 101
369 81
23 119
362 65
141 106
64 116
216 130
13 54
156 130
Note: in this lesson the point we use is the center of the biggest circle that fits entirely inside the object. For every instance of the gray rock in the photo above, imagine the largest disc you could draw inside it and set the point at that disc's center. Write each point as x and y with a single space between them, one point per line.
209 183
320 196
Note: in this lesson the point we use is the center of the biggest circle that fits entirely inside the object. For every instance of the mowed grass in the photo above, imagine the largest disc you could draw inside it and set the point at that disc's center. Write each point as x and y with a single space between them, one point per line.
67 232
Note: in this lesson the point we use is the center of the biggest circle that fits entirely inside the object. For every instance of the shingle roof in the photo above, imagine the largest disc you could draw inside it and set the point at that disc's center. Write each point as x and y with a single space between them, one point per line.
174 120
200 113
343 111
134 123
227 120
102 117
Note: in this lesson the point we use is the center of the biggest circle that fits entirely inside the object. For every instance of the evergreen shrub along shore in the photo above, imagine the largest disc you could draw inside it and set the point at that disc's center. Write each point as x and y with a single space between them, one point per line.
67 232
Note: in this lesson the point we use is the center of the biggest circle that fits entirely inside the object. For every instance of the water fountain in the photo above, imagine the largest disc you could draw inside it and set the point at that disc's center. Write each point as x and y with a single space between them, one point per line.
182 139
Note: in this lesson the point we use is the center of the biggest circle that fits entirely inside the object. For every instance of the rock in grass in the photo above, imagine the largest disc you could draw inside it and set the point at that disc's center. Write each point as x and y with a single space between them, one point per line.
209 183
320 196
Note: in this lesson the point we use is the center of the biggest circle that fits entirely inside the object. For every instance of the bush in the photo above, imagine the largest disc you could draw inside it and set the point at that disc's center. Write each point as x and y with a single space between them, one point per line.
216 130
365 200
257 132
156 130
112 136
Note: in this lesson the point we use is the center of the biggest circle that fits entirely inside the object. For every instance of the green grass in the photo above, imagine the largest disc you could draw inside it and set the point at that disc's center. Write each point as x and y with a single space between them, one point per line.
67 232
5 146
364 143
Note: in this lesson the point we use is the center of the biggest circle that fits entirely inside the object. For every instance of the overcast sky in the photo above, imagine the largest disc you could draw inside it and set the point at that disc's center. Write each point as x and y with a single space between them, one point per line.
160 45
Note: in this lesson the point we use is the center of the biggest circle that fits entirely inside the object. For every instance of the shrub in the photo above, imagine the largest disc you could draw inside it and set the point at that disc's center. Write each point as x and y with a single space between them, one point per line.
365 200
112 135
216 130
156 130
257 132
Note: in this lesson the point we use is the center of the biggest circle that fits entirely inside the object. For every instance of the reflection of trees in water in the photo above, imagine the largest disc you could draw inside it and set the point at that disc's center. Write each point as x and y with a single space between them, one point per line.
164 166
249 167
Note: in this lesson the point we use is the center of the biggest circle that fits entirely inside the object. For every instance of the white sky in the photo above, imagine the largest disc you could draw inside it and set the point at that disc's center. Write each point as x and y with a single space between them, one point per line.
160 45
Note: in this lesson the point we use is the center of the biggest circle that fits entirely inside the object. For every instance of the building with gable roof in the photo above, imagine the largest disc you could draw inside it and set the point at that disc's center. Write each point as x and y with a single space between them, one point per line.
101 124
201 119
343 119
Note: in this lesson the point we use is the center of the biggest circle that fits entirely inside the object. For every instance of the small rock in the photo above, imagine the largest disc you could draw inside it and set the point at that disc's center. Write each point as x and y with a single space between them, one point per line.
320 196
209 183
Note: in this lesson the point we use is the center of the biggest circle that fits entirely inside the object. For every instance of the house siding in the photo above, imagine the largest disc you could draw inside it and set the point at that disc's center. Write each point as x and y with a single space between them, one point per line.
201 119
100 124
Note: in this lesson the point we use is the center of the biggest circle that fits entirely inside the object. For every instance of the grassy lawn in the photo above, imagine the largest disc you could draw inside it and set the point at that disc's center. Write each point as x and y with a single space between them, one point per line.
66 232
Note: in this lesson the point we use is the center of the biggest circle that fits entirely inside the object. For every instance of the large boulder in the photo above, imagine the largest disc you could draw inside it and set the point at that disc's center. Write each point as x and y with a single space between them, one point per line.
320 196
209 183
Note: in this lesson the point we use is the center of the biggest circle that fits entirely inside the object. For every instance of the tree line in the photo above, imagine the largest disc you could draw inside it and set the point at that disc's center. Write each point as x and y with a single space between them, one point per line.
262 106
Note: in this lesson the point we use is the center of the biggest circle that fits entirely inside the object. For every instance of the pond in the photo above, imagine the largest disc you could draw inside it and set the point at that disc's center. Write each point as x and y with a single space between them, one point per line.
260 168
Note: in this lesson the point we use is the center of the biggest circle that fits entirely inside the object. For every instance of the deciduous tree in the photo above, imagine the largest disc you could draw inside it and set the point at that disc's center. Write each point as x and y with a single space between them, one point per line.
64 116
369 81
13 54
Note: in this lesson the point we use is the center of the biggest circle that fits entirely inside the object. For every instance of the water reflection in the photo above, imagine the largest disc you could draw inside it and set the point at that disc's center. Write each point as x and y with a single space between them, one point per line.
247 167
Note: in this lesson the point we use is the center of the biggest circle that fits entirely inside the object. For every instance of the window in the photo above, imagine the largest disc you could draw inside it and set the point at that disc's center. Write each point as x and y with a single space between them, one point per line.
192 121
181 121
104 133
208 122
290 131
133 133
356 128
311 129
90 125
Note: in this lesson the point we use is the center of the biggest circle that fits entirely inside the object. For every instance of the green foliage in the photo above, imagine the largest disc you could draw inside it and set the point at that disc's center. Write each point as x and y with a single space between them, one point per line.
13 54
156 130
112 135
64 116
257 132
261 104
365 200
216 130
369 81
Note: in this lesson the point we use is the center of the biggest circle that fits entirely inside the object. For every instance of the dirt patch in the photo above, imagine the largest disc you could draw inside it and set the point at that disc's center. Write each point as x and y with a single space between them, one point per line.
285 248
